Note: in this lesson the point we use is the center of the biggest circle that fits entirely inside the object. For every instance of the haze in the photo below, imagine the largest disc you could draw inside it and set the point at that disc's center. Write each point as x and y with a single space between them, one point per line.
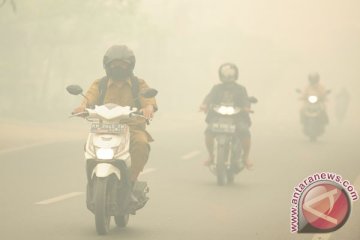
179 46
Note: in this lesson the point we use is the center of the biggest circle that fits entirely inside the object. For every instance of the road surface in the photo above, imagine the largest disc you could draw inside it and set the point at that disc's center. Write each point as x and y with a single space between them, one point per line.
42 188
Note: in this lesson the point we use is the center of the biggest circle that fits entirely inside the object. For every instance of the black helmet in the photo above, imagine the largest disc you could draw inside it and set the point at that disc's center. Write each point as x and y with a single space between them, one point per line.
119 52
314 78
228 72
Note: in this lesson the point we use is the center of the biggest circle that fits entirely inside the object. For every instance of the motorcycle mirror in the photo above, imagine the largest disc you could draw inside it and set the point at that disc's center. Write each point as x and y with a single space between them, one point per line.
149 93
253 100
74 89
298 90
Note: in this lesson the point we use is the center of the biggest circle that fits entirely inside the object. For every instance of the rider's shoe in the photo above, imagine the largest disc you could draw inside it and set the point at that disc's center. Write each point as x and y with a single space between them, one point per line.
249 166
238 166
138 197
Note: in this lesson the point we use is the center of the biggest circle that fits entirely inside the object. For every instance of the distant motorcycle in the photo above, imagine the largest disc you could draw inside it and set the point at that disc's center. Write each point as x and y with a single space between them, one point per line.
227 147
108 161
313 116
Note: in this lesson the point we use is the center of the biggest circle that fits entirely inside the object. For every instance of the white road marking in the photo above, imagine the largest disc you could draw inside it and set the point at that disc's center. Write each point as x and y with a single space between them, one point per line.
190 155
75 194
148 170
23 147
327 236
60 198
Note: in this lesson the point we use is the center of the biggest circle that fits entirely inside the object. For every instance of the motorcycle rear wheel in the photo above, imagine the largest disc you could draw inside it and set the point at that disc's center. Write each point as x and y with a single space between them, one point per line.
313 138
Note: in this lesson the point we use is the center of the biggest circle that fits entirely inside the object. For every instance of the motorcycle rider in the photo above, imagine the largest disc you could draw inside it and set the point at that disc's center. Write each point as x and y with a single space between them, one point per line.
121 87
231 92
315 88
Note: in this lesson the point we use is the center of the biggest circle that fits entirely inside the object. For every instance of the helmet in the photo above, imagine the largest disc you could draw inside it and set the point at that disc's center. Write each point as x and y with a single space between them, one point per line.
314 78
119 52
228 72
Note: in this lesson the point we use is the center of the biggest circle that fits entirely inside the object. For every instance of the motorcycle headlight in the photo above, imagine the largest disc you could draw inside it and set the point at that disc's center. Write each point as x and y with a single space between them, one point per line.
313 99
105 153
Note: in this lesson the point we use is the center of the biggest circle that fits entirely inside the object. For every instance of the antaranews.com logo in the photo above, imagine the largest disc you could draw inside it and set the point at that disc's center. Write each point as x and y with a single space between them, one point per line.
321 203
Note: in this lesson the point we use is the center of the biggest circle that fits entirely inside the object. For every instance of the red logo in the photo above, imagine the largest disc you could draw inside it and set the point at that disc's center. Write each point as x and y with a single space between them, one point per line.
325 208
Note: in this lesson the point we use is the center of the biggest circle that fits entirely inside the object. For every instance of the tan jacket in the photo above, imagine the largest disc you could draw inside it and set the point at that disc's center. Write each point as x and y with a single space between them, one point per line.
317 90
120 93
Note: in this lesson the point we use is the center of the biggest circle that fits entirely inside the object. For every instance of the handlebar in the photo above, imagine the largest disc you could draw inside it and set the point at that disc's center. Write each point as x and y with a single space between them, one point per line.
136 114
247 110
86 114
80 114
139 114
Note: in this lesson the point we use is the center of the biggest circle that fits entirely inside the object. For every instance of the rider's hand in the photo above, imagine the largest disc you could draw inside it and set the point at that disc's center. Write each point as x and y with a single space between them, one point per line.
203 108
148 111
78 110
248 110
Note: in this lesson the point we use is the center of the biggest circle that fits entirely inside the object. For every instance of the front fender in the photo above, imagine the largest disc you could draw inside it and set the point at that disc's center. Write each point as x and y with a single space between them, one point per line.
104 170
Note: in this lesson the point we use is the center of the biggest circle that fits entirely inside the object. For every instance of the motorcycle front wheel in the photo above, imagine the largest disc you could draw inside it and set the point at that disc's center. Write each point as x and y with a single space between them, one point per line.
230 177
312 130
102 216
220 166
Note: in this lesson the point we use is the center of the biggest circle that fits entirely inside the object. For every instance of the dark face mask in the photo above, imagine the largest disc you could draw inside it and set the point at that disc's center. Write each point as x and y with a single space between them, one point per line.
313 81
118 73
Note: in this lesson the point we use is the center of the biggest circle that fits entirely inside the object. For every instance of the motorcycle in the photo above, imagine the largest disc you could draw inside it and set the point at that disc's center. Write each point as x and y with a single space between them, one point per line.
109 189
313 116
227 146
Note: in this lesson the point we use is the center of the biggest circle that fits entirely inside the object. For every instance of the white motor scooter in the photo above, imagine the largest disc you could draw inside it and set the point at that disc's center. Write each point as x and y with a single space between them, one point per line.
108 161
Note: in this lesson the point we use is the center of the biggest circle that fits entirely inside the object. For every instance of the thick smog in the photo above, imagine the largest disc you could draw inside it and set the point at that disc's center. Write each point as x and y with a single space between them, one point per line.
139 119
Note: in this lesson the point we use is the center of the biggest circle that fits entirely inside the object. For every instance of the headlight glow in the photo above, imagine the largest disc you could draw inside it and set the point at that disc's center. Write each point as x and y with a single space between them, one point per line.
105 153
313 99
226 110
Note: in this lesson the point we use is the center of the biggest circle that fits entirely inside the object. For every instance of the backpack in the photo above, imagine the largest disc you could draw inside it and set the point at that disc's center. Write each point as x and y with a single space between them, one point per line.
134 90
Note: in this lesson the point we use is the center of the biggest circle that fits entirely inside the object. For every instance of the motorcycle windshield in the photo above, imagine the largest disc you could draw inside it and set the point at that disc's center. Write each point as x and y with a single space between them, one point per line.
110 111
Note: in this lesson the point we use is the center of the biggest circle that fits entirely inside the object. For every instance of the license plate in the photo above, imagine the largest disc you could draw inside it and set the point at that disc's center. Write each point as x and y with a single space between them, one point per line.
114 128
223 127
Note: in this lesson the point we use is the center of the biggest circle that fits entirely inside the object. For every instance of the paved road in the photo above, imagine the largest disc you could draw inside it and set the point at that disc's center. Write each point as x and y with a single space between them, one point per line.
185 201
